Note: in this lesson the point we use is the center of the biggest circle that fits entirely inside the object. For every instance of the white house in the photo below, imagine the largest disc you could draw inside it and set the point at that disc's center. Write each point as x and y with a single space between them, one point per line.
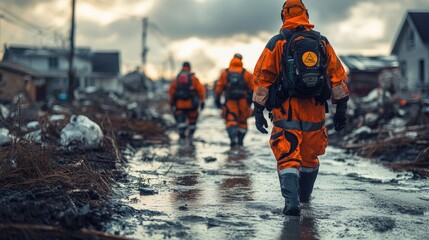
412 49
94 69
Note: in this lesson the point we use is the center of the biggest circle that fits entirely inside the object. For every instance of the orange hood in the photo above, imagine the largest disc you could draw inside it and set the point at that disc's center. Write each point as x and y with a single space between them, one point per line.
236 65
295 15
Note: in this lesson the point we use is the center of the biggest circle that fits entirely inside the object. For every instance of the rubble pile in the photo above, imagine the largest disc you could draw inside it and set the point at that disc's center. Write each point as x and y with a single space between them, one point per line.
392 131
58 162
137 120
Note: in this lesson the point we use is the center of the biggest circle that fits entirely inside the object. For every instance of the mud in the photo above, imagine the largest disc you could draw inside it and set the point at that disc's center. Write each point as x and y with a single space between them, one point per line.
49 192
160 188
205 190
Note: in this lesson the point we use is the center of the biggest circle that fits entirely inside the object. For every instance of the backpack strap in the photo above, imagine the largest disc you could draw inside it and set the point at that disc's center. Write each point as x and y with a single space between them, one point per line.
286 33
319 37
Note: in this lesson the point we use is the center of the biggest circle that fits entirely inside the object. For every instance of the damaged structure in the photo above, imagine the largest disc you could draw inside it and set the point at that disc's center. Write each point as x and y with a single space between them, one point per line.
93 69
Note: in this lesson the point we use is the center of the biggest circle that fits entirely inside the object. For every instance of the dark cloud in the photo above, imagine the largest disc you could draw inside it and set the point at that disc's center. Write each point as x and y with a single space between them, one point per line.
215 19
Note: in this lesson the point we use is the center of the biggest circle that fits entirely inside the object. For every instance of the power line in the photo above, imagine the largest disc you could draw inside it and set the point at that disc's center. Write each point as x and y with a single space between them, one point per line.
58 38
163 39
161 36
21 20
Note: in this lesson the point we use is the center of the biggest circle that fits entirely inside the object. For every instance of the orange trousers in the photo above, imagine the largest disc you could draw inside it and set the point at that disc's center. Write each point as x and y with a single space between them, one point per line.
236 113
299 134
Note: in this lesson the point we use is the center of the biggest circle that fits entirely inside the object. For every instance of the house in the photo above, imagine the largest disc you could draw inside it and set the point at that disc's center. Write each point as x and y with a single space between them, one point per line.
93 69
16 79
411 46
105 71
368 72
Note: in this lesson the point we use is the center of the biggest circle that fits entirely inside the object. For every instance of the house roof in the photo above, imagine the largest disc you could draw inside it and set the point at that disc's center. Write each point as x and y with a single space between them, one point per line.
105 62
44 51
420 20
18 69
368 63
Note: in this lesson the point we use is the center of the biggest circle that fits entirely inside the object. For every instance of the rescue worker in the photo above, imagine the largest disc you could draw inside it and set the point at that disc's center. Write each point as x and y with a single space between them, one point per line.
236 84
299 135
187 99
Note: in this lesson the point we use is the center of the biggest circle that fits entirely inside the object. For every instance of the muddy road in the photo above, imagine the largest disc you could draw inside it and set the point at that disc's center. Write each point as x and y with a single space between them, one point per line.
205 190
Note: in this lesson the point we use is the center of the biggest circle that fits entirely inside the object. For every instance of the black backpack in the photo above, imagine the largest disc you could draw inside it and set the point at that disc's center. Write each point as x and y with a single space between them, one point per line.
304 64
236 87
184 89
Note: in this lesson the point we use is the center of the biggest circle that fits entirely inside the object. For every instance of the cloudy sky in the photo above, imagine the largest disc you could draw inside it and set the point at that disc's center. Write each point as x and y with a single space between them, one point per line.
205 32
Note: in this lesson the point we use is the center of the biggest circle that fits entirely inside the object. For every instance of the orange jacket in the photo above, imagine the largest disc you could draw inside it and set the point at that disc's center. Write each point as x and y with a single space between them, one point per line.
236 65
269 65
196 86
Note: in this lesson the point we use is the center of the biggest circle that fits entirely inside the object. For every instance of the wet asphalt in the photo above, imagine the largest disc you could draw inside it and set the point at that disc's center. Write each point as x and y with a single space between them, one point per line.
205 190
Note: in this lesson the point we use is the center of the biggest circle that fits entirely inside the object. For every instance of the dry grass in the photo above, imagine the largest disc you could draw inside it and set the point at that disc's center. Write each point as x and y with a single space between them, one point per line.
35 167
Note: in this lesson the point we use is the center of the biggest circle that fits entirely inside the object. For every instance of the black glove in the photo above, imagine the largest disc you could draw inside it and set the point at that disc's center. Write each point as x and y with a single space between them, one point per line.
202 106
250 97
260 121
217 101
340 119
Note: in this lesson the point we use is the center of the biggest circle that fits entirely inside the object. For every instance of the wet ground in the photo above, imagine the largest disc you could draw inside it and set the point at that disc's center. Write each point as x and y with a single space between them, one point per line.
205 190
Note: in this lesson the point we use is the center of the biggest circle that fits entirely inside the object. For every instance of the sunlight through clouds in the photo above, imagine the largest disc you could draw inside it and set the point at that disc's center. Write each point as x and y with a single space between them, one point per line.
364 21
107 14
206 32
220 52
365 28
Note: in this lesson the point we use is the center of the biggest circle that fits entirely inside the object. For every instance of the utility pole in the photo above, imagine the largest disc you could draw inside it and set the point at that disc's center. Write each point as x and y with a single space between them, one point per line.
144 42
71 72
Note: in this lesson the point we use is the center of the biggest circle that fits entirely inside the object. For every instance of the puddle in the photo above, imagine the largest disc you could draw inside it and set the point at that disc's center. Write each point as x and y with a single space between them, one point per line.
205 190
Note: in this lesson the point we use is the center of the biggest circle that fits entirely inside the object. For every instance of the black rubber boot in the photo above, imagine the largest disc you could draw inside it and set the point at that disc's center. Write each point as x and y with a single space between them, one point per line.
232 133
192 129
240 136
182 135
289 183
181 125
306 184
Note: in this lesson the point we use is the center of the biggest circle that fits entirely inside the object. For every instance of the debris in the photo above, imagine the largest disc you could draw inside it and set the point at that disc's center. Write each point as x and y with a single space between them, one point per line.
4 137
147 191
381 127
4 112
210 159
82 133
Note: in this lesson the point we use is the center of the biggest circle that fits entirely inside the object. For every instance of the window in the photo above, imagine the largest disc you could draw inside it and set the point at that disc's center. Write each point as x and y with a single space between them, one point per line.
422 70
410 39
403 67
53 63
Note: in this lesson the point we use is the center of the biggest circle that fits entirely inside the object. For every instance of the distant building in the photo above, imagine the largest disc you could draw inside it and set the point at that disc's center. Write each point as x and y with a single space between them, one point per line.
105 71
16 79
412 49
364 72
93 69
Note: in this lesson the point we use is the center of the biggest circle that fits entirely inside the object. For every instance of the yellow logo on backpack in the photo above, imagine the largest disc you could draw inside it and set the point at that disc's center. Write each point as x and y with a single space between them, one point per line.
309 59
